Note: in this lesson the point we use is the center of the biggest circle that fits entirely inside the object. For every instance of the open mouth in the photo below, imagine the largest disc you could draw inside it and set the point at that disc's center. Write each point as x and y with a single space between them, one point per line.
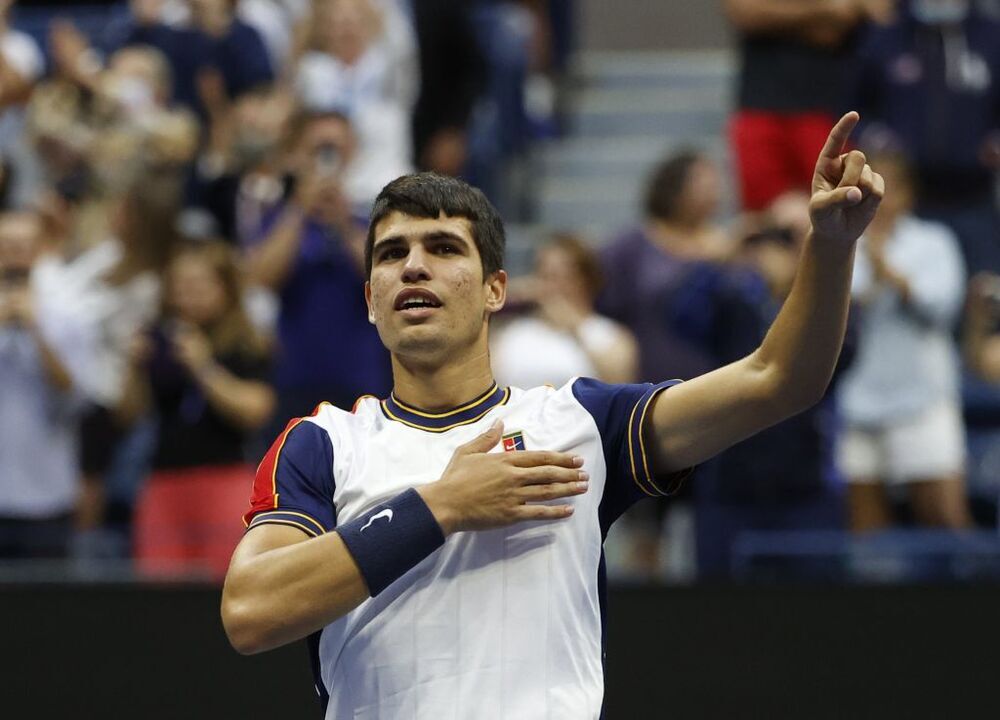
416 302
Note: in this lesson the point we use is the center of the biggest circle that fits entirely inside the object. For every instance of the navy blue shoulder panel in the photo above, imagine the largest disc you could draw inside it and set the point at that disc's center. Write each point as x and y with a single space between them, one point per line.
621 413
294 483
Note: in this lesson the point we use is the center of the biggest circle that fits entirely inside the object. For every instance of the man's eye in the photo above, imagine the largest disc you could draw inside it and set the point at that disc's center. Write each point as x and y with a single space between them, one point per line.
392 254
448 249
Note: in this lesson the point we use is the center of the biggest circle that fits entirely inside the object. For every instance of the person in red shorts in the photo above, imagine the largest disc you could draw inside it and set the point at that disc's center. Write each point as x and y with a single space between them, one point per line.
202 372
793 57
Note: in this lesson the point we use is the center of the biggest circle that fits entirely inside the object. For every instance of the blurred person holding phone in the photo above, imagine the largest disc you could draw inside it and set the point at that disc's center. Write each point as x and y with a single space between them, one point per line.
309 250
44 350
363 63
901 398
567 336
203 373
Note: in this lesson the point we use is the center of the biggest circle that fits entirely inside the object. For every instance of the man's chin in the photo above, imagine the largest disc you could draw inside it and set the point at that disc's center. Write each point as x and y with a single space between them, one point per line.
420 342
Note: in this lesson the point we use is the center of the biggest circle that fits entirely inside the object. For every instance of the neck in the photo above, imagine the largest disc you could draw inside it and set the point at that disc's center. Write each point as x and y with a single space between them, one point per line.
442 386
680 236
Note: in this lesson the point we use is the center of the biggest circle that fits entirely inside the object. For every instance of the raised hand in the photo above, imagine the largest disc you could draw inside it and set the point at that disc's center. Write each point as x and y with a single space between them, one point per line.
481 490
846 192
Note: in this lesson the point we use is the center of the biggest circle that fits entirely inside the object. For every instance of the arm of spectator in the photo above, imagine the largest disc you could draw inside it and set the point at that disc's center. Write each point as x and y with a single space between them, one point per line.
791 369
136 394
618 361
72 56
933 287
246 403
615 355
216 156
56 372
822 22
19 308
980 342
271 260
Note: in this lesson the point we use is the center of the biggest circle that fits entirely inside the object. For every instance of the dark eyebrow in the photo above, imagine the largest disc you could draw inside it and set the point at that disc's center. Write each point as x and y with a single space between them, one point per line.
393 240
436 236
439 235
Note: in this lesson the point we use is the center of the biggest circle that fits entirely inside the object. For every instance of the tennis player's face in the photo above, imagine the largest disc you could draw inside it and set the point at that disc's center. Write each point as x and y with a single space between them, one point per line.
426 293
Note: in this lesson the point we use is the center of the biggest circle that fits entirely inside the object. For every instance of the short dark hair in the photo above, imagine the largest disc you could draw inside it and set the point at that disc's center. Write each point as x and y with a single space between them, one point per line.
427 195
666 185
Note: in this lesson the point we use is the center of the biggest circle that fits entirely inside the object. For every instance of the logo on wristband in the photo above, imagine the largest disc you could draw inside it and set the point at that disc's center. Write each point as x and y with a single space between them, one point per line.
387 513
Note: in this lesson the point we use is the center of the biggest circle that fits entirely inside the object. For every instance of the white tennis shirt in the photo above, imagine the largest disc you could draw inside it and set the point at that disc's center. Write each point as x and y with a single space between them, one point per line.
502 624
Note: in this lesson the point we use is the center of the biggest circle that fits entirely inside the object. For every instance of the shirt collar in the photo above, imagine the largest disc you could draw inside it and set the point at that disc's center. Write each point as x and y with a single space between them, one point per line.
464 414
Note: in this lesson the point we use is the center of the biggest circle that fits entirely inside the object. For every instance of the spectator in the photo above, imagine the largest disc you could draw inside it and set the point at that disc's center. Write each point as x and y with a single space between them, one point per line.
452 79
647 266
101 131
43 353
115 285
214 40
240 174
929 87
901 398
21 66
203 373
279 24
792 61
565 336
363 65
309 251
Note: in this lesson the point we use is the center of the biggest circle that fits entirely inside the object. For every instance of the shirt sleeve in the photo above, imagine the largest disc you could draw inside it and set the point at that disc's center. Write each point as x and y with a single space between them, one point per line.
621 413
294 483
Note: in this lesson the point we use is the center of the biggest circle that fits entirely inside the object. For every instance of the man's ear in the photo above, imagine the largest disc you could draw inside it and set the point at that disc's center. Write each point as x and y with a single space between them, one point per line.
368 302
496 291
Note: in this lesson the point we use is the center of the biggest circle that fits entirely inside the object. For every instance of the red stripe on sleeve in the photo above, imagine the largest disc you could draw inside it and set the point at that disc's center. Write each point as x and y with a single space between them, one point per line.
264 495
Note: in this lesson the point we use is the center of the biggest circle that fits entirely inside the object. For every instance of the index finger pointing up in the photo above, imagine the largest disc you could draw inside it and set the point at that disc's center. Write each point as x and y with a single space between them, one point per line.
837 140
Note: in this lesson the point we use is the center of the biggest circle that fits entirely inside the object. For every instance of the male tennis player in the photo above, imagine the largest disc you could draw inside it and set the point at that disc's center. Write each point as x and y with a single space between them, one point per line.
441 549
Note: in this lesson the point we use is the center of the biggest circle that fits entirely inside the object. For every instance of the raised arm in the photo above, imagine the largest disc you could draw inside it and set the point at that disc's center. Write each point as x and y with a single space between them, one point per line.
792 367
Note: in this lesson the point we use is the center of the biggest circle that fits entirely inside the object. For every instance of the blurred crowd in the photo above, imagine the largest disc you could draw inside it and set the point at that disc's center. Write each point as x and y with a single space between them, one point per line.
184 191
907 436
184 196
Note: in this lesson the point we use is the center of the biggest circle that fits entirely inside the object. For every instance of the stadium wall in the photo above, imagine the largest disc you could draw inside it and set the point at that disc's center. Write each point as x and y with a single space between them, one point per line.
101 651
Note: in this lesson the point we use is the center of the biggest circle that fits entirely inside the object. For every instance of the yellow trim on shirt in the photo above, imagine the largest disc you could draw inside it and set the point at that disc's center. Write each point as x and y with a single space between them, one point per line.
319 526
463 408
281 521
388 412
631 450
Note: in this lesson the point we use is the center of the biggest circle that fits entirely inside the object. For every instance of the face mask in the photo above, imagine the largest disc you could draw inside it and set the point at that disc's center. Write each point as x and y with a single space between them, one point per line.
940 12
133 94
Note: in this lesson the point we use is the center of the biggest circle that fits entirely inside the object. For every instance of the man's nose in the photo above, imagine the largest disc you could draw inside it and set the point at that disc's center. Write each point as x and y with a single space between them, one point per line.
415 269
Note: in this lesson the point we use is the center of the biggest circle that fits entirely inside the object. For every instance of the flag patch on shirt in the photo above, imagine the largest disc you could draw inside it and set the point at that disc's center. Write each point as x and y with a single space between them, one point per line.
513 441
